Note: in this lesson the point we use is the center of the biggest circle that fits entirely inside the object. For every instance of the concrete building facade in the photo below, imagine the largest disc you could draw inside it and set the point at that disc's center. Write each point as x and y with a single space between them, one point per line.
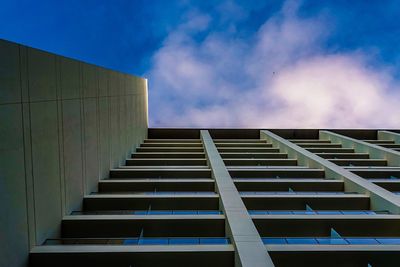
63 125
85 182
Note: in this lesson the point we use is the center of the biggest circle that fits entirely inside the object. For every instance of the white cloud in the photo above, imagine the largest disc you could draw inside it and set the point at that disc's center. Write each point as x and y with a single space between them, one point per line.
279 77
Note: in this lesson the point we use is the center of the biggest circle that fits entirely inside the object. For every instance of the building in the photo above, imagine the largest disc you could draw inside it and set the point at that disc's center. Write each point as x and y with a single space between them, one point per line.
84 182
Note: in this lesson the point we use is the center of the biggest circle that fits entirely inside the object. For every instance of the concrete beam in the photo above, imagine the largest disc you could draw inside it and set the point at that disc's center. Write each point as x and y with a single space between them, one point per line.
249 248
380 198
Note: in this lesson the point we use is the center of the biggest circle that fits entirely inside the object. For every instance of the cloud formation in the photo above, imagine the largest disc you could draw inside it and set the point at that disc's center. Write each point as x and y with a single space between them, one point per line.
207 74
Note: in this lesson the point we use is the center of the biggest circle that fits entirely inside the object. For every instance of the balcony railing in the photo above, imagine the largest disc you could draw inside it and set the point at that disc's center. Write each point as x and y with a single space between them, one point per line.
316 212
149 212
295 193
140 241
161 193
331 241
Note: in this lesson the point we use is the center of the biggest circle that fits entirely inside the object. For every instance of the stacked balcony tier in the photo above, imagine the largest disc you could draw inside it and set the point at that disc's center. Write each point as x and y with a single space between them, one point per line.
390 144
305 217
160 209
374 170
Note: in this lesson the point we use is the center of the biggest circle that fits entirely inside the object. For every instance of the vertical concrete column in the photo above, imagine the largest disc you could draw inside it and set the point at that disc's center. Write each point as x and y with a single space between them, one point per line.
381 199
249 248
374 151
387 135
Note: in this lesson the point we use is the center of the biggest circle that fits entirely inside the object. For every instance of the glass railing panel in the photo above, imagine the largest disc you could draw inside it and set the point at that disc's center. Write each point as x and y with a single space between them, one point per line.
305 241
388 241
177 193
332 241
157 193
149 212
329 212
362 241
239 179
295 193
141 241
273 241
153 241
159 212
316 212
215 241
209 212
304 212
279 212
131 241
185 212
184 241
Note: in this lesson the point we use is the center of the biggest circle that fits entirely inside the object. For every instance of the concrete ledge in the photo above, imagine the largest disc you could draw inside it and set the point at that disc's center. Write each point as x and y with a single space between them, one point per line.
123 256
144 155
126 185
154 140
127 248
157 173
301 172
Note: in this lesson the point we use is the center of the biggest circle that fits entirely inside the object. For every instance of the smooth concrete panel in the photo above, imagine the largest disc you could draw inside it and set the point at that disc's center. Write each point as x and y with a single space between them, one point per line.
120 84
29 173
104 137
123 83
73 153
89 80
23 59
41 75
123 123
130 85
140 117
14 241
136 121
46 169
138 84
60 118
69 78
103 81
113 84
137 115
10 80
114 132
91 150
130 122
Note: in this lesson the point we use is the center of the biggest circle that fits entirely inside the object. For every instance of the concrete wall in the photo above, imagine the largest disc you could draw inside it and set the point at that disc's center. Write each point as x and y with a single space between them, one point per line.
63 125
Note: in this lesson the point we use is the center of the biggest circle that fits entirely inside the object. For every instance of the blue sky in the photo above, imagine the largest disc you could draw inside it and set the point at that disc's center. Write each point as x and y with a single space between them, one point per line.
233 63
